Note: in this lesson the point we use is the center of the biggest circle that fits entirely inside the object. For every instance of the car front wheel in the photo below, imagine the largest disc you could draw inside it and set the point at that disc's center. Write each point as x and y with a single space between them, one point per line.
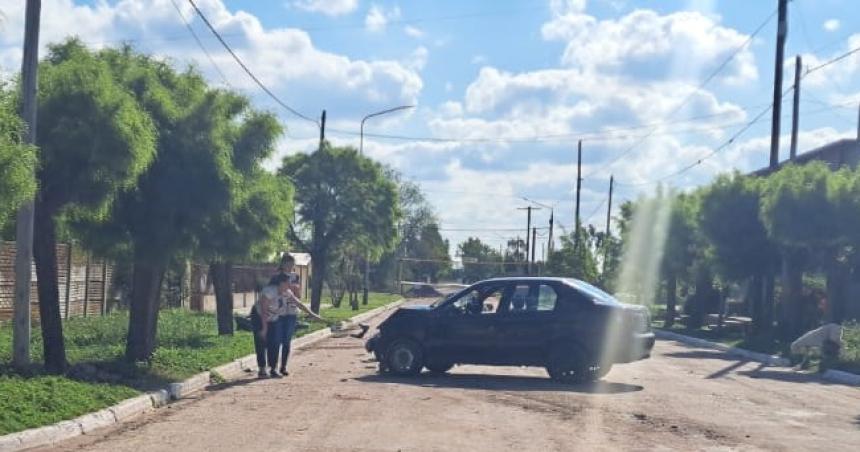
404 357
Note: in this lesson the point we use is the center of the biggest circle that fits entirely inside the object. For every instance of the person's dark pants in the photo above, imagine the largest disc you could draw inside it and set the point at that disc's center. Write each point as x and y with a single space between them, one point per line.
288 329
259 342
273 342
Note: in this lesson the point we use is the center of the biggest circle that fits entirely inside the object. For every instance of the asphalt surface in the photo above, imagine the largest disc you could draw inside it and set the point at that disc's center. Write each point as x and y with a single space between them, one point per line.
683 398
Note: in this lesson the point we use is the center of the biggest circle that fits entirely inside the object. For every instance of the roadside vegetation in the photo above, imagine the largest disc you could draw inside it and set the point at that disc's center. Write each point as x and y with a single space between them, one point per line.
98 377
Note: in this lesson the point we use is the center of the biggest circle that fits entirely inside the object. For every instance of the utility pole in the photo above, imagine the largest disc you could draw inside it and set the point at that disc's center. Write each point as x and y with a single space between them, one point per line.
534 245
24 226
322 130
528 231
781 33
608 223
549 240
795 114
578 187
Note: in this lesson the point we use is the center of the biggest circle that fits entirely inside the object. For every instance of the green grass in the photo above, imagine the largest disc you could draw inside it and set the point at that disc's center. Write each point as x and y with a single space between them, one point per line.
187 344
42 400
849 356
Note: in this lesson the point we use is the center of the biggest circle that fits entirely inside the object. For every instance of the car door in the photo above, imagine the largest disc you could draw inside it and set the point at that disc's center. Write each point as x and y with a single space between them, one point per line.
465 330
526 322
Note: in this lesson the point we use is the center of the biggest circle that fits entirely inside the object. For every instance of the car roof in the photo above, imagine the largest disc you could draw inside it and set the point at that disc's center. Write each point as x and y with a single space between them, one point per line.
530 279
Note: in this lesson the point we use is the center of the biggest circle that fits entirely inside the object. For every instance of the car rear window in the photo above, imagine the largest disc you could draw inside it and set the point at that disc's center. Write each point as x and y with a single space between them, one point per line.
592 292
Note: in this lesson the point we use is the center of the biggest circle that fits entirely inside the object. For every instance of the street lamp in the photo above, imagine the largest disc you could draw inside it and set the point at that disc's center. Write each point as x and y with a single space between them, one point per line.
364 295
372 115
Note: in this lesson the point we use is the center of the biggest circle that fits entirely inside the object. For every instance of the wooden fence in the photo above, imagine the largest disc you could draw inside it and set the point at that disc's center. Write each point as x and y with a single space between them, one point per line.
83 282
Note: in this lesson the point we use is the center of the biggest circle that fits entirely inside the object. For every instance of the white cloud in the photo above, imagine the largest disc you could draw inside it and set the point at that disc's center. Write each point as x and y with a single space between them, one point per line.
831 24
327 7
285 59
563 7
839 72
678 45
414 32
378 17
418 58
479 60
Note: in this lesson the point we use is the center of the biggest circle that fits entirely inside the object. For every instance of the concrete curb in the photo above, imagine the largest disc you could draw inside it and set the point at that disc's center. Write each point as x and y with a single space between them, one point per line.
764 358
840 376
136 406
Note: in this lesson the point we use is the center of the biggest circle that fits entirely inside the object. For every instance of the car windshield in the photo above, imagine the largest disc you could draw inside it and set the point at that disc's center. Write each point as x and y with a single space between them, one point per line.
592 291
444 299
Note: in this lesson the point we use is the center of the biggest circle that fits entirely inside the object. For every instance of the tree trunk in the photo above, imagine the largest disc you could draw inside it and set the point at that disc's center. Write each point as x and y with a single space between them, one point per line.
755 295
45 257
671 300
221 274
143 315
318 268
836 278
768 295
791 312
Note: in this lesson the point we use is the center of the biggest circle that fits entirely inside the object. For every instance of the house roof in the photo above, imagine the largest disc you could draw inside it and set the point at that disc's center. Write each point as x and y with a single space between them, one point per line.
845 152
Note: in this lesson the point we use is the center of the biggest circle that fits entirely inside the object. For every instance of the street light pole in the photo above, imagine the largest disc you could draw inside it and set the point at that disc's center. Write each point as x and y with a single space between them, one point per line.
373 115
366 284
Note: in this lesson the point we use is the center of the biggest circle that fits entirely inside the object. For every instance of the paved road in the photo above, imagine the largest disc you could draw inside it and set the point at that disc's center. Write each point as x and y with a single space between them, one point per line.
682 399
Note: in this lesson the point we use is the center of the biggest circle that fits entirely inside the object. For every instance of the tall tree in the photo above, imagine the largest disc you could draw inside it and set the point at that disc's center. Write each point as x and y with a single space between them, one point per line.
17 160
574 261
484 255
194 172
341 197
799 213
94 141
730 219
251 228
683 244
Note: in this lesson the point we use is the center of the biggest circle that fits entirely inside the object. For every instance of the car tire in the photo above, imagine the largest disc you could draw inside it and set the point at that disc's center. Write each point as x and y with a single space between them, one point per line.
404 357
571 365
439 367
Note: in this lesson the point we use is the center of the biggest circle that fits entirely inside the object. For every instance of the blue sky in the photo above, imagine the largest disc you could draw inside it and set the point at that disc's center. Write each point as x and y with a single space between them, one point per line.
508 86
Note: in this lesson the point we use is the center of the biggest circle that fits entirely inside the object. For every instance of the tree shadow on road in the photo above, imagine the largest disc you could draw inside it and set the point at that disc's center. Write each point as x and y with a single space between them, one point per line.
501 383
785 375
704 354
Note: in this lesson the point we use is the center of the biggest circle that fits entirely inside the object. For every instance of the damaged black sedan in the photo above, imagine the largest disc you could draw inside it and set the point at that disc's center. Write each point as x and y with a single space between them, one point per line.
573 329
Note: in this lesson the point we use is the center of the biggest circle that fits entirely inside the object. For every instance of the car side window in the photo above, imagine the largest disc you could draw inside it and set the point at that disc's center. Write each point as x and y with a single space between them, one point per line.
485 301
519 298
547 298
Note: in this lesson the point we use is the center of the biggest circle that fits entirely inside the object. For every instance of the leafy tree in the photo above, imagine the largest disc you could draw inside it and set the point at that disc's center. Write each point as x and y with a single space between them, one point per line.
342 197
683 246
799 212
252 230
473 248
94 141
730 219
418 238
17 160
574 261
176 199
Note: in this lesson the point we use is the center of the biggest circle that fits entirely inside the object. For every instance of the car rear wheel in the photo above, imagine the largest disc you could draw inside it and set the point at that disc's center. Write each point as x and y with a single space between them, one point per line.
439 367
404 357
571 365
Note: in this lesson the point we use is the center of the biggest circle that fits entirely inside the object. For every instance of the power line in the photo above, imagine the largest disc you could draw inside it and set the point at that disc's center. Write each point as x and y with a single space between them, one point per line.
689 97
832 61
248 71
200 43
606 133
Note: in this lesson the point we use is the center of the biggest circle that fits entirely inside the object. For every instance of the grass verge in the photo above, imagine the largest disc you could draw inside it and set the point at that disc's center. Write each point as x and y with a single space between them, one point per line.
188 343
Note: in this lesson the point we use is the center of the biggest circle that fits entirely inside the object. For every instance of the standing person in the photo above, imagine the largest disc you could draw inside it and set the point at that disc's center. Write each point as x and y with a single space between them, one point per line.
288 319
259 340
269 308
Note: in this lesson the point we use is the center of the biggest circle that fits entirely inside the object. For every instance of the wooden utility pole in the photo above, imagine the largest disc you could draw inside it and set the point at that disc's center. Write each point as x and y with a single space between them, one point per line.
608 223
24 226
795 113
534 246
322 130
578 188
528 231
781 33
549 243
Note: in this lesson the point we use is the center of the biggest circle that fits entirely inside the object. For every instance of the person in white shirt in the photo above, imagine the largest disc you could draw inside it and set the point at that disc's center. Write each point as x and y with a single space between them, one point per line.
278 302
